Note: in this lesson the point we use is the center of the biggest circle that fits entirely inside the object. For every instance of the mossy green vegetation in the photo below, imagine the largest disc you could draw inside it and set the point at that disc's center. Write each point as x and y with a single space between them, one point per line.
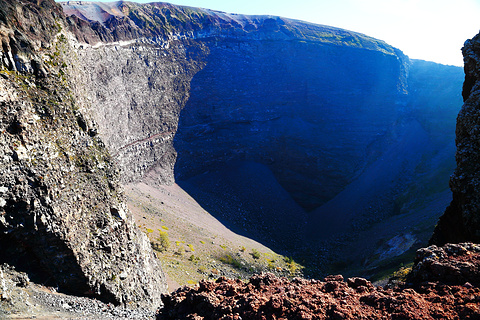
228 259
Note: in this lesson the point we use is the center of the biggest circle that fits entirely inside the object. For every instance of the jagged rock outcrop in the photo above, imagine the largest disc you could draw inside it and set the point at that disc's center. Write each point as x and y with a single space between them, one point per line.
461 220
452 264
63 218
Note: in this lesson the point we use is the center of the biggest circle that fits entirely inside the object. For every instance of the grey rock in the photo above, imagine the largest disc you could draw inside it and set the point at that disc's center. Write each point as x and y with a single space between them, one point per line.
453 264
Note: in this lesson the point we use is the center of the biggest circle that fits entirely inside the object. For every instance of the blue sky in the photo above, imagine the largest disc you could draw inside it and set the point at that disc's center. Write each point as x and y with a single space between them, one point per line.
433 30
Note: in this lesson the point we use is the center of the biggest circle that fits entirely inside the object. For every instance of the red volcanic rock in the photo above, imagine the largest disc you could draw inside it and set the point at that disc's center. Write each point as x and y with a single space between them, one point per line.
266 296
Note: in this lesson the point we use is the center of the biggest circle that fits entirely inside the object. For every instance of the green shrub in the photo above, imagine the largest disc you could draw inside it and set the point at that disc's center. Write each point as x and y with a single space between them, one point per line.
163 242
194 258
228 259
255 254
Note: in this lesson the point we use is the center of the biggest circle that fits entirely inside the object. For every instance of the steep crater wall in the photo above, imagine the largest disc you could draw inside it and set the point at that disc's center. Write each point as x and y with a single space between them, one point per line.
344 124
140 89
308 110
270 86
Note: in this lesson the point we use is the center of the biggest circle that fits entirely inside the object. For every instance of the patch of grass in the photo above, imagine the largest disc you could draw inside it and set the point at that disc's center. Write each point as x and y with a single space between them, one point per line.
255 254
288 260
180 251
228 259
194 259
294 269
402 273
271 264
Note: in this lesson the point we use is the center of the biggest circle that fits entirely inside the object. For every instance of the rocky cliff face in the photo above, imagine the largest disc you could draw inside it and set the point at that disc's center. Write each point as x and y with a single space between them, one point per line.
62 214
240 58
142 89
461 219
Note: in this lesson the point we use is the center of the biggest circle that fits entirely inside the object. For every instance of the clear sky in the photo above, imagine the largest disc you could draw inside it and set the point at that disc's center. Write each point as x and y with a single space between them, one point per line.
433 30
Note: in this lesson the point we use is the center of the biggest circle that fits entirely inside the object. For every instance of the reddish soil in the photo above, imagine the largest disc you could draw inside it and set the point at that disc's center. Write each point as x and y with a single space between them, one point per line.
269 297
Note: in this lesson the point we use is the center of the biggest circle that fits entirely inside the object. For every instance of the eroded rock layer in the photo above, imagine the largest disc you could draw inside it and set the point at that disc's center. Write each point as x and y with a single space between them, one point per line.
62 213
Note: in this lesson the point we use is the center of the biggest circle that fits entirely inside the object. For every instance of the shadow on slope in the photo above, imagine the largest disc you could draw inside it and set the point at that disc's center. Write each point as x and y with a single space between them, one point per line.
388 211
247 198
371 196
192 244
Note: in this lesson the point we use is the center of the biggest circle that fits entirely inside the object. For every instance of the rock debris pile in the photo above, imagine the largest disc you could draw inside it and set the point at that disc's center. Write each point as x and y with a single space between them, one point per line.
269 297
